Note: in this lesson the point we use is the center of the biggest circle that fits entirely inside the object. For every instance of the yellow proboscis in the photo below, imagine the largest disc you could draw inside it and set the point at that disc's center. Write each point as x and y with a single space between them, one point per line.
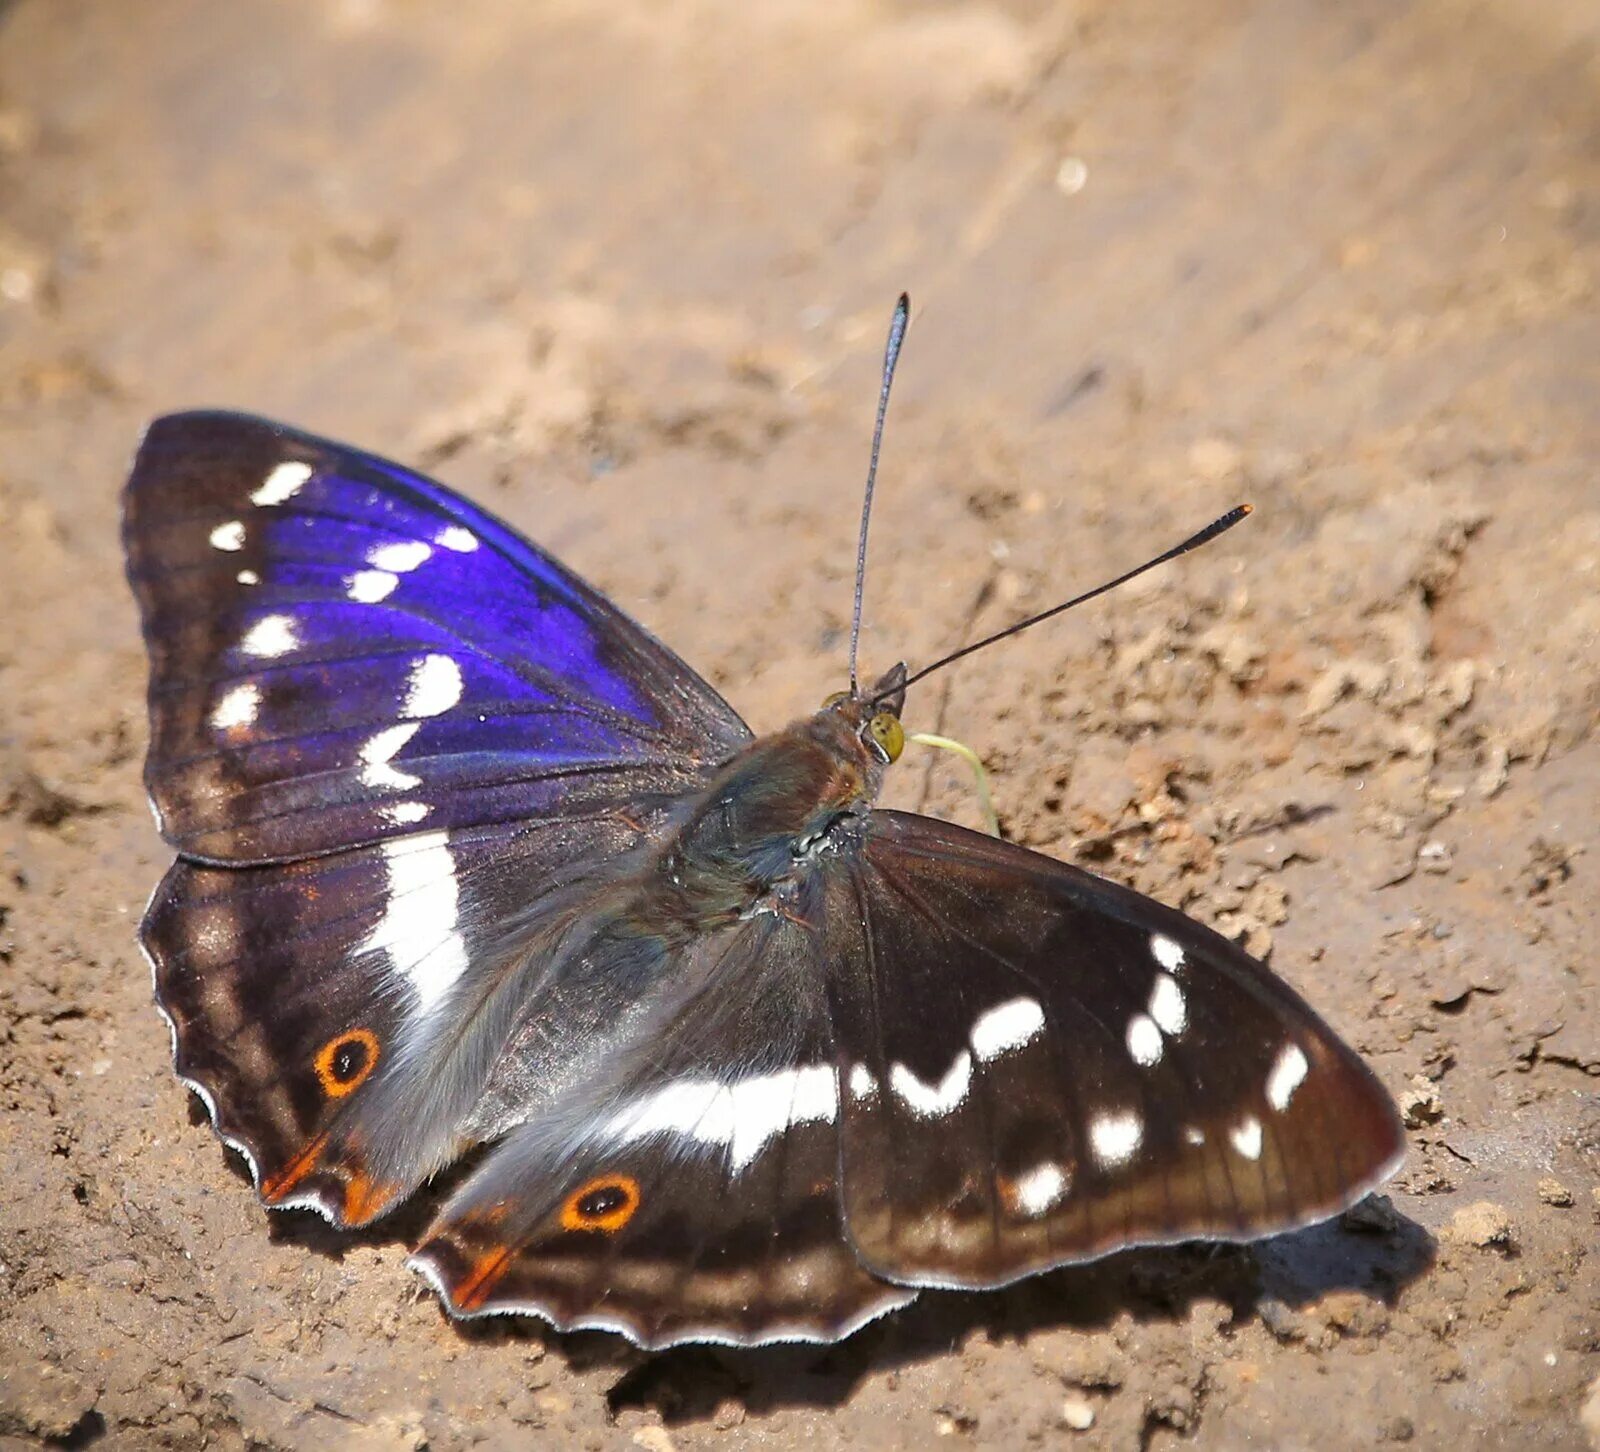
968 755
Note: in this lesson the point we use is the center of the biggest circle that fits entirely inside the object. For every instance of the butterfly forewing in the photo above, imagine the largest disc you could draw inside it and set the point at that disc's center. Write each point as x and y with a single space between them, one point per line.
1047 1067
343 651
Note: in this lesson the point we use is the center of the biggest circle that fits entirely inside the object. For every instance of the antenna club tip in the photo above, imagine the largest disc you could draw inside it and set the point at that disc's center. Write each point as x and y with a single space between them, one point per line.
1245 509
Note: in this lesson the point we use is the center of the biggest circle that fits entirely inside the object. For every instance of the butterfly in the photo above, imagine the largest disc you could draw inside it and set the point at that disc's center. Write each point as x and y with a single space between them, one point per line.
469 866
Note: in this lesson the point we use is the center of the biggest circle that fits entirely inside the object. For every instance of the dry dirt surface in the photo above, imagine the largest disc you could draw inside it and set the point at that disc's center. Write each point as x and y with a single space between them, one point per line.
621 273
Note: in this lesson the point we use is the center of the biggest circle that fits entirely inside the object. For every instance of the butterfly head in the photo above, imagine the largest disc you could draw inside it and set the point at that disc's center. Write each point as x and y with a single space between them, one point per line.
875 714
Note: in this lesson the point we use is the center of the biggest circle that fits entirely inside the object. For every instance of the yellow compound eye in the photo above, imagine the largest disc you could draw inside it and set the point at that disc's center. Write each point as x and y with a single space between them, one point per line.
887 734
835 698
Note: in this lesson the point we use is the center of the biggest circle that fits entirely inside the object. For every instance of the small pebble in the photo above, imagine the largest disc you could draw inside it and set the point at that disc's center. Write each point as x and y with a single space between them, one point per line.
1434 856
1420 1104
1285 1324
1072 176
1484 1224
1553 1192
1077 1412
1375 1215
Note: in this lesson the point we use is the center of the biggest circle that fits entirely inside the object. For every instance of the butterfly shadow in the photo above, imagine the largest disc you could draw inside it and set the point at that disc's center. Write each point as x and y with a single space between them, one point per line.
1374 1251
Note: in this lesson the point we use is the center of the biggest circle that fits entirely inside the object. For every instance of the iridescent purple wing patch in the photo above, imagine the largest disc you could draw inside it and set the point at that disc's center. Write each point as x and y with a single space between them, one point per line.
343 651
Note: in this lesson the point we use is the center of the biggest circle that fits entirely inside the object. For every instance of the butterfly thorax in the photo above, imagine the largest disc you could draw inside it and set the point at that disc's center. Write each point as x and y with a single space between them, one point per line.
765 817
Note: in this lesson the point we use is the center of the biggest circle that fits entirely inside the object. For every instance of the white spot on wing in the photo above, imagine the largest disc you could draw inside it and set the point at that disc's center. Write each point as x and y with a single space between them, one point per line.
282 484
1167 953
1144 1040
434 686
370 586
1246 1137
1040 1189
1194 1135
405 814
1167 1007
927 1101
1288 1072
862 1084
418 929
248 577
743 1115
702 1109
1113 1138
237 706
1008 1026
454 537
229 536
378 751
401 557
270 636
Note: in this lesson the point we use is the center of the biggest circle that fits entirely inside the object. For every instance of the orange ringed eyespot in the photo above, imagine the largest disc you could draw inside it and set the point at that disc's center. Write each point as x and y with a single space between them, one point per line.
607 1203
343 1063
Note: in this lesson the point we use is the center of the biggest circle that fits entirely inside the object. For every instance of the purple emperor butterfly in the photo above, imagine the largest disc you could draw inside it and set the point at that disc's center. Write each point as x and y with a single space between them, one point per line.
465 858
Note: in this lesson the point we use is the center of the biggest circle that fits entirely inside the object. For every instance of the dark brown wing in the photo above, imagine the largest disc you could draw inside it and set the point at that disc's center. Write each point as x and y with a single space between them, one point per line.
1039 1067
688 1189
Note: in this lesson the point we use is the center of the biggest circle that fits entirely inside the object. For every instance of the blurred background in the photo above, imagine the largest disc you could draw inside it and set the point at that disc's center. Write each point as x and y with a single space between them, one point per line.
622 273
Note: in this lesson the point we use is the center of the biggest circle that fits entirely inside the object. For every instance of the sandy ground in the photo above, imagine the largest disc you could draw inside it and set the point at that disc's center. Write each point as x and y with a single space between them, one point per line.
621 272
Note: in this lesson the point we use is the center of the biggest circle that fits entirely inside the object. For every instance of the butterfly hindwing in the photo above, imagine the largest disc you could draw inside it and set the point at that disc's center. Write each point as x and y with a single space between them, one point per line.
343 651
321 1007
661 1246
1048 1067
690 1190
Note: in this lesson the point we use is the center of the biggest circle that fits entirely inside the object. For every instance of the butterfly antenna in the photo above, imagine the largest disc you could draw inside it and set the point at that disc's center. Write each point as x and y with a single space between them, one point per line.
1210 532
891 356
